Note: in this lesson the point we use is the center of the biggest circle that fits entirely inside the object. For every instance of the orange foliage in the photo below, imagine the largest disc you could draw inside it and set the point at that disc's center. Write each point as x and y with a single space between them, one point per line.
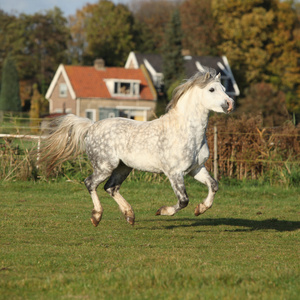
246 150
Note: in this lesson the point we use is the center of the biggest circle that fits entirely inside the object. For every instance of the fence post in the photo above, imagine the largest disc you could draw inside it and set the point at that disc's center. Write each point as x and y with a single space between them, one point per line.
38 152
215 152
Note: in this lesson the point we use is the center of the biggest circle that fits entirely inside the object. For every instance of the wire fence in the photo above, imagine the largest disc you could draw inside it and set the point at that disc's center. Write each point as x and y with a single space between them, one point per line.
243 150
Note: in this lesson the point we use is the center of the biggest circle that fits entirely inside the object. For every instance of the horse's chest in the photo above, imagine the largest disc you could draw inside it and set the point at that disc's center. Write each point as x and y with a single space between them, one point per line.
199 153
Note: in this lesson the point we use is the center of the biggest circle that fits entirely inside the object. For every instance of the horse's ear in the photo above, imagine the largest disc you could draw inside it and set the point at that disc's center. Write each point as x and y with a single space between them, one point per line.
207 75
218 76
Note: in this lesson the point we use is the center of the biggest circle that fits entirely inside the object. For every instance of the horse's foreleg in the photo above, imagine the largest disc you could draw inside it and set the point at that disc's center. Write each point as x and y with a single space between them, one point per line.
92 183
112 187
178 186
203 176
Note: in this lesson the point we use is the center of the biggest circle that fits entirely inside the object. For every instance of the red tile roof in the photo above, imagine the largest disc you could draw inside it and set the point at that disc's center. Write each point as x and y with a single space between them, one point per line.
88 82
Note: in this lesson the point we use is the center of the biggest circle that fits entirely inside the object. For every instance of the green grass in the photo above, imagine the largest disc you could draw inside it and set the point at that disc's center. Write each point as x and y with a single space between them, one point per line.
246 247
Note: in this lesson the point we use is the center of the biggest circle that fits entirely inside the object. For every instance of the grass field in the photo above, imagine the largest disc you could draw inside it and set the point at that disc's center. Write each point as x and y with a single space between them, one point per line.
246 247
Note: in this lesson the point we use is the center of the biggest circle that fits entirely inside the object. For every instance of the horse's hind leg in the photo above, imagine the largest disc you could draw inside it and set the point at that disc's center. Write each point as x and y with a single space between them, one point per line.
203 176
177 183
112 187
92 183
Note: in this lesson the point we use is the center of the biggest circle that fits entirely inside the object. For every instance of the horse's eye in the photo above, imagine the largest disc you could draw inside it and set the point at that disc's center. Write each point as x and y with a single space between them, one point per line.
211 90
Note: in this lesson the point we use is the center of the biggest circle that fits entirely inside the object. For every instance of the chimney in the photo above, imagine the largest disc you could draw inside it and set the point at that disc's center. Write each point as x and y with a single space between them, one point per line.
99 64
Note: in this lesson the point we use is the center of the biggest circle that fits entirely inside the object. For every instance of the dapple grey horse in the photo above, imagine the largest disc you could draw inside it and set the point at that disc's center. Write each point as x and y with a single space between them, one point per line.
175 144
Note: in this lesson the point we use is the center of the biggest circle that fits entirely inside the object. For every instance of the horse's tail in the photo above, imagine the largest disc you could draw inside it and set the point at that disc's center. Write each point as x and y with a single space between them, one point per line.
65 141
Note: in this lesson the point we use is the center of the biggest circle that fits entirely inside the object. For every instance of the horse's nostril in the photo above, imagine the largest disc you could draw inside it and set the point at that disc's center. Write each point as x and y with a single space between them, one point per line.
230 106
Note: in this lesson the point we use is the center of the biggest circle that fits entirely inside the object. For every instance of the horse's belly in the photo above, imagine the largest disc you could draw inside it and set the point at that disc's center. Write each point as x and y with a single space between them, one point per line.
144 162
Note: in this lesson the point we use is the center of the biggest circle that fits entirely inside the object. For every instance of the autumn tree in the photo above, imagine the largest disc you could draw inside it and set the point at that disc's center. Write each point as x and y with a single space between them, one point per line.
38 44
78 28
7 37
9 96
173 65
200 34
35 109
257 36
265 100
45 43
103 30
152 17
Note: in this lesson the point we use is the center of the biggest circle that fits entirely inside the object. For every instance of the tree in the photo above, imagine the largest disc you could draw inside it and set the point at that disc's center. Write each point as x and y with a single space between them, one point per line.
35 109
265 100
152 17
257 36
108 33
9 96
6 36
45 45
173 67
200 34
78 28
37 42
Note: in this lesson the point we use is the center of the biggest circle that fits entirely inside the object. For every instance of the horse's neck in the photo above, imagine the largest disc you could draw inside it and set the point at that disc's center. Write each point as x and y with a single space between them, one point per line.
192 114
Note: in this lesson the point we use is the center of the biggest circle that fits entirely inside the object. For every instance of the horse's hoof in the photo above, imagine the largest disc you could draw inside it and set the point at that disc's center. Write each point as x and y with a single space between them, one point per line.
166 211
158 212
200 209
130 220
94 221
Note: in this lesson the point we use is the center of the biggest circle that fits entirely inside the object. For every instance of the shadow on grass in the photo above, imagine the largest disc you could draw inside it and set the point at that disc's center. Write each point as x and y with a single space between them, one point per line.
241 225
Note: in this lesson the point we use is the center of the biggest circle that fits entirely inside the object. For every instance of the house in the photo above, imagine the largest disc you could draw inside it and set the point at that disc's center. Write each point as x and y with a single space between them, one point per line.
98 92
192 64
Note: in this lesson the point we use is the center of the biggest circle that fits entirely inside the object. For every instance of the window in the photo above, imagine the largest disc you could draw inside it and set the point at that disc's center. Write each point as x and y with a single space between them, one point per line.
90 114
126 88
107 112
63 90
139 114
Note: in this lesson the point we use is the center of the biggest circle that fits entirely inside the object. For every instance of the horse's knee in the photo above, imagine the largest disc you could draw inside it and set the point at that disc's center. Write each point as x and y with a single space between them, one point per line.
214 185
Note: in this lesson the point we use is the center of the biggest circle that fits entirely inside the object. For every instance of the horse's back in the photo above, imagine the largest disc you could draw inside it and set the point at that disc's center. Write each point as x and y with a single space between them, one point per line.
130 141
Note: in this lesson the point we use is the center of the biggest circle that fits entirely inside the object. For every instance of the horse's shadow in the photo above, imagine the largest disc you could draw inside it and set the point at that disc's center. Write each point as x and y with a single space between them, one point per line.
238 225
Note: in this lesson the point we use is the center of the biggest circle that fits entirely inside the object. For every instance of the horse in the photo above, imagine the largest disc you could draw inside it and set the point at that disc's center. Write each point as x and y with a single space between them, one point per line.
174 144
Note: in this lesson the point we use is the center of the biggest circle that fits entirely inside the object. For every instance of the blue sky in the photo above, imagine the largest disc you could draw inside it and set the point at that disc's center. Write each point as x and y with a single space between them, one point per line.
69 7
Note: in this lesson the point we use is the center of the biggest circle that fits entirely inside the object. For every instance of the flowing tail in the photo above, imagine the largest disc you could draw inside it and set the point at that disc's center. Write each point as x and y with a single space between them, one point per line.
65 141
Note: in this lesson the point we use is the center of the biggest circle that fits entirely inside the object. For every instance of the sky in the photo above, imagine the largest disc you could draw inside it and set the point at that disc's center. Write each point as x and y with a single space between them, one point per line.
68 7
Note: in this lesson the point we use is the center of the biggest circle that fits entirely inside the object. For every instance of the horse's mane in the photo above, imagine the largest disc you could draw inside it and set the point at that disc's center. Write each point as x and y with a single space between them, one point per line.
201 79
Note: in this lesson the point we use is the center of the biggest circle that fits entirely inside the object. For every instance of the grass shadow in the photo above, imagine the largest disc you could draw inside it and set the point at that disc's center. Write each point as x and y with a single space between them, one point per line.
244 224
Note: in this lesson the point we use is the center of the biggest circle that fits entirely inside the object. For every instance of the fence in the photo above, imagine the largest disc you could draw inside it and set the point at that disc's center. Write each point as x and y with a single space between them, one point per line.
239 149
243 151
19 123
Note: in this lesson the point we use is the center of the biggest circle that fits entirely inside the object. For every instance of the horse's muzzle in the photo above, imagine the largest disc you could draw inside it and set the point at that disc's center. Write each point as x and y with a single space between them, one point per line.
230 105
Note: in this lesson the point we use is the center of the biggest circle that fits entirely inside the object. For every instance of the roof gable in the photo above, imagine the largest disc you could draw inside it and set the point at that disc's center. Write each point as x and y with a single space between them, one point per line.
87 82
60 71
192 65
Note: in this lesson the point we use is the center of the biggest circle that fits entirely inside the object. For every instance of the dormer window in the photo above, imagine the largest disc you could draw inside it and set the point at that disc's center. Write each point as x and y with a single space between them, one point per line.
127 88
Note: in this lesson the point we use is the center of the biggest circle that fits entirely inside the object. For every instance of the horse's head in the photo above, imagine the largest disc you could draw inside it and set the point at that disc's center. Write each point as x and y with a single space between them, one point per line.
204 90
214 97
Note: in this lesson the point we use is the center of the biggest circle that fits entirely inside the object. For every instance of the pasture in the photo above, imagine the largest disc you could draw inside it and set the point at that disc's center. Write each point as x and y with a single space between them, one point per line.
246 247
